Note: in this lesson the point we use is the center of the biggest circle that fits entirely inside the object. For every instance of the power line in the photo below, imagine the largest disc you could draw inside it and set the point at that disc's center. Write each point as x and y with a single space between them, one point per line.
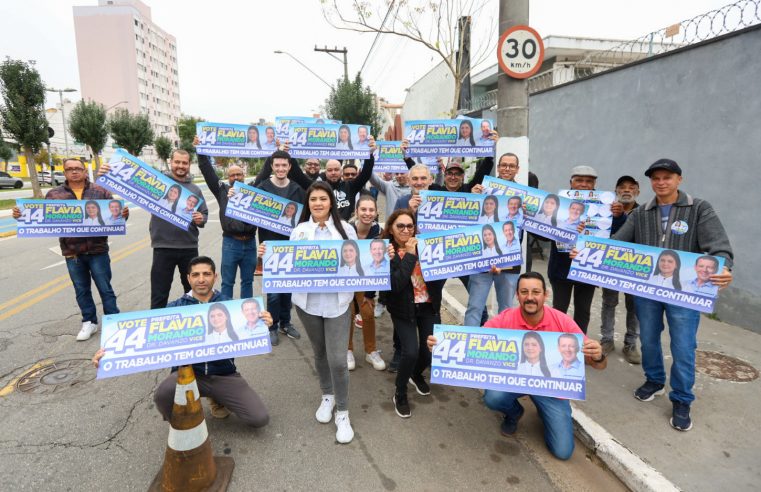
377 35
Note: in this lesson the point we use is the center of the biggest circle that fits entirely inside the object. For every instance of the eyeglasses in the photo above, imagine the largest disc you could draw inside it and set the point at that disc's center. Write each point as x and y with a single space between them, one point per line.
74 170
401 227
454 173
508 166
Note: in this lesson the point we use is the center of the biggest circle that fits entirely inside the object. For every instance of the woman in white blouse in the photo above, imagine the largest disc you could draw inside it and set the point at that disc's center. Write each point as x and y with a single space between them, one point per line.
666 272
532 361
490 246
220 325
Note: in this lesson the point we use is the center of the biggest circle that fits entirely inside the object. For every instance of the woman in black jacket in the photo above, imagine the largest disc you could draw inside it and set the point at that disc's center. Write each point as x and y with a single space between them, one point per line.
413 305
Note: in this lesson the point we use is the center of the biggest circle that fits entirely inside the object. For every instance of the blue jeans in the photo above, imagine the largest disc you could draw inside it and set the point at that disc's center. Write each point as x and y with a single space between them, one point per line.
83 270
238 254
554 412
479 285
279 306
683 330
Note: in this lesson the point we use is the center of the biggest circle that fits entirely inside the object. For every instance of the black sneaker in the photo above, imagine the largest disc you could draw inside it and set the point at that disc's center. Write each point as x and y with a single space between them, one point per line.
510 424
402 406
420 385
274 338
290 330
680 416
648 391
393 366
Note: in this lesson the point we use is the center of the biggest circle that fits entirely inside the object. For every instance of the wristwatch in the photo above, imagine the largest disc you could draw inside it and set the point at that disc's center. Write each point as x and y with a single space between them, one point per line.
602 359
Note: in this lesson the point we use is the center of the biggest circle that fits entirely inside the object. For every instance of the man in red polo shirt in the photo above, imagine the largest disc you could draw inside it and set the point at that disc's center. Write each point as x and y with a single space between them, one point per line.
533 315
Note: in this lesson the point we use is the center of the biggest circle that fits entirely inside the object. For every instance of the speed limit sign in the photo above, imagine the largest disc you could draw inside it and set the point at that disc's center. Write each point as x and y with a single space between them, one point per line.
520 52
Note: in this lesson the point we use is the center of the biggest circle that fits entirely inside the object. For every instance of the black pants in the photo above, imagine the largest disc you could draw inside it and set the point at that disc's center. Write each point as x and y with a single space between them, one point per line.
582 299
165 260
413 338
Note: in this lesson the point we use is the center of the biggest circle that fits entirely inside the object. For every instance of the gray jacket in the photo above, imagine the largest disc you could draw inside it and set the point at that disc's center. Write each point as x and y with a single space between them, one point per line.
391 189
704 234
166 235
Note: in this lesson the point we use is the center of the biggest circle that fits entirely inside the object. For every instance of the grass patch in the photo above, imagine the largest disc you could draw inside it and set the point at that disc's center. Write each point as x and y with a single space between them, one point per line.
6 204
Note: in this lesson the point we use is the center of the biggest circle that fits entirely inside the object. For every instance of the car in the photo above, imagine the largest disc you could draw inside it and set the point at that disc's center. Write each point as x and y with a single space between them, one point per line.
58 178
8 181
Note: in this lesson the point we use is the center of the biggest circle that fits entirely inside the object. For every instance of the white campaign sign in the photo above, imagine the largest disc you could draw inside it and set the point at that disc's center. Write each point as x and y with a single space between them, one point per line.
520 52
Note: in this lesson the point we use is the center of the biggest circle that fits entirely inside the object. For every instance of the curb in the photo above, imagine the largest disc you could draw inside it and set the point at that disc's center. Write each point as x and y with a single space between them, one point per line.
632 470
7 233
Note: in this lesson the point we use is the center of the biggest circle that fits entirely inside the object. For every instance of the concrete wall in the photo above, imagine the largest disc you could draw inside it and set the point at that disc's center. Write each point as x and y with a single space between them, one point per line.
431 96
700 106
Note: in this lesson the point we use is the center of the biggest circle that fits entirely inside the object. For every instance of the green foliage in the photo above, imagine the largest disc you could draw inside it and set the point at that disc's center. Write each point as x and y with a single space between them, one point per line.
132 132
43 158
22 112
87 124
163 148
6 152
186 130
354 104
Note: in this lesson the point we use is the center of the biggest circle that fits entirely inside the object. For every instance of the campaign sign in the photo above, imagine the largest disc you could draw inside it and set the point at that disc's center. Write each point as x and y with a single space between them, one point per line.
599 218
149 189
182 335
70 218
468 250
328 141
228 140
389 158
283 124
467 137
263 209
546 214
674 277
445 210
326 266
495 359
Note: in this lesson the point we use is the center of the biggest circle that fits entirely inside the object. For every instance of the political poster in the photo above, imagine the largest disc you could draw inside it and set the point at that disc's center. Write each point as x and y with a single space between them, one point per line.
263 209
516 361
545 214
70 218
149 189
283 124
468 250
326 266
329 141
230 140
467 137
674 277
599 217
389 158
445 210
155 339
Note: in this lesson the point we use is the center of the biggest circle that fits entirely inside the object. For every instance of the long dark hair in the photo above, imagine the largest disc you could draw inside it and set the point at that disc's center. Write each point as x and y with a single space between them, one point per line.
471 139
100 218
348 130
179 194
491 198
391 220
306 214
221 307
554 197
675 278
293 217
352 243
542 362
253 127
496 243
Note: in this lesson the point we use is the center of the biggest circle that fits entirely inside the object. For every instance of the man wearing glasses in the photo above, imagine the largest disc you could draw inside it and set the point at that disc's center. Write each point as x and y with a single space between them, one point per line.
312 168
87 258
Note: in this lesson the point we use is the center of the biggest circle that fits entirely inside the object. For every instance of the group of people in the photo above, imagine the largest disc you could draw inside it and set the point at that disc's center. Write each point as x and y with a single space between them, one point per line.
336 206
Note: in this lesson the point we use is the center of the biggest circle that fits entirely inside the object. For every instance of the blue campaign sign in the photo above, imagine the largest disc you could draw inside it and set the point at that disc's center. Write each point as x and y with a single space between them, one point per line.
468 137
674 277
70 218
517 361
329 141
599 217
445 210
230 140
149 340
263 209
283 124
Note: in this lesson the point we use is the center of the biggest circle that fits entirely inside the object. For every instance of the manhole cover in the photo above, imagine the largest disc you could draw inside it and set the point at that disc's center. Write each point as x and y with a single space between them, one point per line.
57 377
722 366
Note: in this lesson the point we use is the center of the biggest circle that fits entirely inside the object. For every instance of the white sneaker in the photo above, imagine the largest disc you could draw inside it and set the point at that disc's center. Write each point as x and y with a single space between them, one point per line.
325 412
344 432
88 329
379 308
376 360
350 360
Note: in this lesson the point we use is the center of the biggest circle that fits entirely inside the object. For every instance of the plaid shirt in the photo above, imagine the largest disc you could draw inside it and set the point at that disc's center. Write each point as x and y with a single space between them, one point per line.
73 246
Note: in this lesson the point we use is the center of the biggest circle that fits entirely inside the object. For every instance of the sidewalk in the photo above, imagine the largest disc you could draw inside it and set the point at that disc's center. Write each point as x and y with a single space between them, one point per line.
634 438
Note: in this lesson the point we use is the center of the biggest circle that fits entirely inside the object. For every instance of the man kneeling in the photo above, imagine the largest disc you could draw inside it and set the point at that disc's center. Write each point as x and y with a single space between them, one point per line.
218 380
533 315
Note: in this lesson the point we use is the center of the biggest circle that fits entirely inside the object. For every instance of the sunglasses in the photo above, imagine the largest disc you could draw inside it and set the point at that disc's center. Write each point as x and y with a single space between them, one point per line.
401 227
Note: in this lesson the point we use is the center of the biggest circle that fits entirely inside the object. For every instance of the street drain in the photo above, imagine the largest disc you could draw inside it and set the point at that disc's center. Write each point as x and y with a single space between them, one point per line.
722 366
56 377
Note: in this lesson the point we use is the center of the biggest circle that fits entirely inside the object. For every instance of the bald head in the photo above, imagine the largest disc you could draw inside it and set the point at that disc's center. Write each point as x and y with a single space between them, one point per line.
333 170
235 173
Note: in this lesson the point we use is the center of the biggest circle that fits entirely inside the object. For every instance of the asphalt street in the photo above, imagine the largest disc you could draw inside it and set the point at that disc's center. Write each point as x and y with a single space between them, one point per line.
60 429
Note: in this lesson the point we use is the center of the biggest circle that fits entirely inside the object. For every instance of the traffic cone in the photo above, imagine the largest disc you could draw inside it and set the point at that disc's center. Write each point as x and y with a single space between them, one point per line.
189 465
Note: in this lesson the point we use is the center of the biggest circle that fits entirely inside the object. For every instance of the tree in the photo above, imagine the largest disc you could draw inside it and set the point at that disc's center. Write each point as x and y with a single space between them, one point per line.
87 124
22 113
42 158
351 103
186 130
6 153
130 131
430 23
163 148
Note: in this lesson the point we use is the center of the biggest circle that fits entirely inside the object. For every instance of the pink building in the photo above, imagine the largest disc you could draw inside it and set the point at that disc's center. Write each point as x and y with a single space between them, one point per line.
127 61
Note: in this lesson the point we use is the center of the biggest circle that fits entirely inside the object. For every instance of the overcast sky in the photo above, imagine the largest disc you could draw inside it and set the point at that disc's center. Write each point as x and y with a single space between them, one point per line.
229 73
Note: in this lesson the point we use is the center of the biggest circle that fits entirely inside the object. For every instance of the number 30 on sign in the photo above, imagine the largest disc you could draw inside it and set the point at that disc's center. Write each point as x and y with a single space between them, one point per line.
520 52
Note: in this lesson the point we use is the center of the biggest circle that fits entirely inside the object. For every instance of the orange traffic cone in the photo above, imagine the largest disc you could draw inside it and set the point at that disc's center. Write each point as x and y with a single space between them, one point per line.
189 465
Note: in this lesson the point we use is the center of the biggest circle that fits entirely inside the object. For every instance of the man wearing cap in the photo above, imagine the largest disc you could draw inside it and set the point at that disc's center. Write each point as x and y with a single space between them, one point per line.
582 178
627 191
673 220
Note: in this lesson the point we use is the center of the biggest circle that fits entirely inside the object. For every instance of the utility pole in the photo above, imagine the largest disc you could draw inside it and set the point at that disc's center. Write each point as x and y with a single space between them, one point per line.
512 94
63 115
343 51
